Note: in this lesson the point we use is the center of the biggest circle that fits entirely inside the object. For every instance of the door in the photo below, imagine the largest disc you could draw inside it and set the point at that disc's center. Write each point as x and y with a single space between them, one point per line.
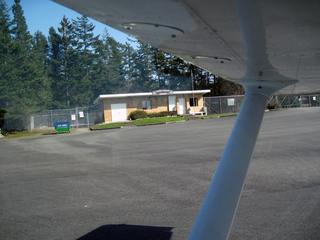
119 112
182 106
172 103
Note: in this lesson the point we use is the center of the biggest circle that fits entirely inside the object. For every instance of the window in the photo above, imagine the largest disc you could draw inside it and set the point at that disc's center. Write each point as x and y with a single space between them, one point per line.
193 102
146 105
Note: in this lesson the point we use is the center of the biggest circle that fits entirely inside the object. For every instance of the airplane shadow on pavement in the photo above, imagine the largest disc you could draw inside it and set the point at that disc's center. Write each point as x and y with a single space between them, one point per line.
128 232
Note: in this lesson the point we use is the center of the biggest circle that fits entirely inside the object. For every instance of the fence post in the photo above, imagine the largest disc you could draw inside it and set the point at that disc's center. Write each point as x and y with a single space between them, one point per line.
88 117
51 118
31 123
76 110
309 101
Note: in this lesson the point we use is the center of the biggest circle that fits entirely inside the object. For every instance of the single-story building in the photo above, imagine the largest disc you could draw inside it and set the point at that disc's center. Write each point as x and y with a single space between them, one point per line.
117 107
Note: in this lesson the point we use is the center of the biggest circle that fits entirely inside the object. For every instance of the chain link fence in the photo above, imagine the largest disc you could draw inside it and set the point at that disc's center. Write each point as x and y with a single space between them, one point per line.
232 104
78 117
88 116
298 101
223 104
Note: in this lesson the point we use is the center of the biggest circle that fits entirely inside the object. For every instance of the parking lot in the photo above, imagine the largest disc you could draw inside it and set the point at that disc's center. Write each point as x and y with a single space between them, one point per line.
149 182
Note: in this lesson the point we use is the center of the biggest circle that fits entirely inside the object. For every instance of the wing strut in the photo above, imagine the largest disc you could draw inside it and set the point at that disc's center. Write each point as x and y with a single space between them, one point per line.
261 80
216 215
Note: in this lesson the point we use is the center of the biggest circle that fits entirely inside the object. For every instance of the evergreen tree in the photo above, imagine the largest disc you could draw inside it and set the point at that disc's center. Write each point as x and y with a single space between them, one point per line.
116 65
130 56
172 72
81 91
68 61
109 68
222 87
54 69
160 62
100 70
40 79
144 81
116 70
5 45
179 74
20 89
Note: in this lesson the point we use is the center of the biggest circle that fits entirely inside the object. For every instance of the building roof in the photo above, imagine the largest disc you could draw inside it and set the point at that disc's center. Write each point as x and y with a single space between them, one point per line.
126 95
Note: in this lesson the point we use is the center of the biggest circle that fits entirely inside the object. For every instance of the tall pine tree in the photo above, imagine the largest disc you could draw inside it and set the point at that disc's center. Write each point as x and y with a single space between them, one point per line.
109 74
68 62
54 69
81 90
5 45
144 68
40 80
20 88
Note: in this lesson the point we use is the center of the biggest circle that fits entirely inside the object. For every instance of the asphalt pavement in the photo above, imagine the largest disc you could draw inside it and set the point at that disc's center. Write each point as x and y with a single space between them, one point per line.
149 182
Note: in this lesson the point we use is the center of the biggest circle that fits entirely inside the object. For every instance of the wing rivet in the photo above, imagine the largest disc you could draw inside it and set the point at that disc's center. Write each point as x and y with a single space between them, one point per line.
259 87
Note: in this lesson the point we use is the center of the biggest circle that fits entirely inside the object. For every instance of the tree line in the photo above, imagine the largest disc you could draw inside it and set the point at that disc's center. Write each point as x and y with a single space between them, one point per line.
71 67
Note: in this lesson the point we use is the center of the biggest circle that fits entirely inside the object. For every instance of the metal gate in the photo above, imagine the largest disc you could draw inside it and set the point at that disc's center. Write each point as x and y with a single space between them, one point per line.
78 117
223 104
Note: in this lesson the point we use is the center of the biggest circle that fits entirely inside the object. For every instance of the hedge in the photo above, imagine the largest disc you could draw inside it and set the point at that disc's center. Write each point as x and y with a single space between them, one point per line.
162 114
138 114
143 114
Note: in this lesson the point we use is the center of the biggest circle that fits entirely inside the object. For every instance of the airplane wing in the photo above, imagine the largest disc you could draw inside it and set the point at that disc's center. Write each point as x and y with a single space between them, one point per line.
218 35
269 46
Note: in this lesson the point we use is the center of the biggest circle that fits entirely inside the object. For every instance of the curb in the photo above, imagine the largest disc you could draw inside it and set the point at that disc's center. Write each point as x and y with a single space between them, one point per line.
100 129
159 123
136 125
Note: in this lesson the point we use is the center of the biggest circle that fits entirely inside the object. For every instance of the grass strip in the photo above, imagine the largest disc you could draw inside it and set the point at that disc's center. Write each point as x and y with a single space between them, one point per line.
147 121
24 134
109 125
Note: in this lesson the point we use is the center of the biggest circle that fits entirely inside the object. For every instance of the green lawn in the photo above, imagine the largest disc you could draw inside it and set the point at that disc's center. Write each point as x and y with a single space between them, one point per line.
157 120
109 125
218 115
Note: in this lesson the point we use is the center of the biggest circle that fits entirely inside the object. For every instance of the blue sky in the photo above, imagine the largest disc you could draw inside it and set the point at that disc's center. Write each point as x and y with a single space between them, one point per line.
42 14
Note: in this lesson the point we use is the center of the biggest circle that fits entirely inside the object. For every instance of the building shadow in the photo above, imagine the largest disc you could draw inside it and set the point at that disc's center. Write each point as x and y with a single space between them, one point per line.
128 232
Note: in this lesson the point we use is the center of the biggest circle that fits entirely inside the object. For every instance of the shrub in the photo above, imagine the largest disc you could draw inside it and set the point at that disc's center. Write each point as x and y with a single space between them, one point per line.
162 114
273 104
138 114
153 115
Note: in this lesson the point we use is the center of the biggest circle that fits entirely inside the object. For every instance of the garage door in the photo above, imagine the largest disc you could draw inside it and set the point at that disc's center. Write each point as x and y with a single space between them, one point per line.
119 112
